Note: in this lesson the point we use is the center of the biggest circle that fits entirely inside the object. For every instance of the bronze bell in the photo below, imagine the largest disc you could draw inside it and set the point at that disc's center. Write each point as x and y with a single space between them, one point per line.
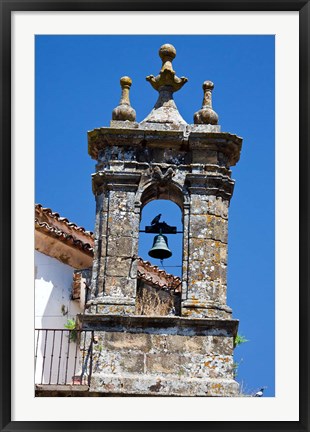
160 248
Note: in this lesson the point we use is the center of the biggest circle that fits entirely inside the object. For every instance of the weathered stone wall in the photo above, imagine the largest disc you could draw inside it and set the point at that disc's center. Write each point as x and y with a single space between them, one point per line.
153 301
163 356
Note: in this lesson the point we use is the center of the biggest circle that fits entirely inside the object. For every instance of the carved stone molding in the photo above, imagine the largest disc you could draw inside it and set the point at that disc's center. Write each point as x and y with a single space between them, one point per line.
217 185
115 180
160 177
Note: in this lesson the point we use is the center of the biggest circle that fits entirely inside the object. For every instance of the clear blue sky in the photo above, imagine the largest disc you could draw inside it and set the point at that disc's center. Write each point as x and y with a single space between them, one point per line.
77 87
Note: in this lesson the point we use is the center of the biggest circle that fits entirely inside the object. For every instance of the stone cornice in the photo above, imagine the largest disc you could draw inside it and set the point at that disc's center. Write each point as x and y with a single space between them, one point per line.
226 143
188 139
168 324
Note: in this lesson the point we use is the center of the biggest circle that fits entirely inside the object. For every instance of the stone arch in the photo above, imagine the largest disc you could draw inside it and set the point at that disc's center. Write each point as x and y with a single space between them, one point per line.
172 191
154 190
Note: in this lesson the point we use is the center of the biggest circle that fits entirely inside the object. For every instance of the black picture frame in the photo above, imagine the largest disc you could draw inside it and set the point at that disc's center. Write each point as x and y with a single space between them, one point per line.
7 7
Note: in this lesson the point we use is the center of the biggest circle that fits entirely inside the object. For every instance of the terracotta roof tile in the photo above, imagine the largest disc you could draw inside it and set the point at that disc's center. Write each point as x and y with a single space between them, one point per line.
40 210
160 278
67 238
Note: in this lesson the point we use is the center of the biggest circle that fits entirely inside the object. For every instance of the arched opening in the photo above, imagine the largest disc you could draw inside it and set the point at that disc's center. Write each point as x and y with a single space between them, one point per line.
159 287
172 215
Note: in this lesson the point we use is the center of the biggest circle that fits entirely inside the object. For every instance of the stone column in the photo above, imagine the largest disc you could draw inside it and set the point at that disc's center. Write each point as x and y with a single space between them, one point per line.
114 277
206 239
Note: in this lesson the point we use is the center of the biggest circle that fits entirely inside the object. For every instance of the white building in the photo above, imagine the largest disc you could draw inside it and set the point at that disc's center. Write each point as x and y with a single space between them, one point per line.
62 248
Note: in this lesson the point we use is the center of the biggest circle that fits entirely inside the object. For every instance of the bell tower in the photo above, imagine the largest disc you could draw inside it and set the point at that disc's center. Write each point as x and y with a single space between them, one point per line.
162 157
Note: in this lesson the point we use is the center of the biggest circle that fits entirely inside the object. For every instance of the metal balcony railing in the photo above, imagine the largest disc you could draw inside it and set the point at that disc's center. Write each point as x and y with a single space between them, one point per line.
63 356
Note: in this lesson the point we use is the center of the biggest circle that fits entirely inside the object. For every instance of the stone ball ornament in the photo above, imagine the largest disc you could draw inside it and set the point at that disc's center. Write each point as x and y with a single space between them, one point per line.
167 51
208 85
125 81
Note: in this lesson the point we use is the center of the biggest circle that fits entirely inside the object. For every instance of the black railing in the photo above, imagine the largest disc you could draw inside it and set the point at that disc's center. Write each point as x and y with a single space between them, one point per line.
63 356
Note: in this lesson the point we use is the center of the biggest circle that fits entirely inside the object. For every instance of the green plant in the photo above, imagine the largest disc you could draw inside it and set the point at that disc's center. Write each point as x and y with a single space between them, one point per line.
239 339
235 369
98 347
71 325
181 372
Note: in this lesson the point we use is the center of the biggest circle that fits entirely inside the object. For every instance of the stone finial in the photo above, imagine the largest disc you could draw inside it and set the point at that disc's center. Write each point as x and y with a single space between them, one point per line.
124 111
167 76
206 115
166 83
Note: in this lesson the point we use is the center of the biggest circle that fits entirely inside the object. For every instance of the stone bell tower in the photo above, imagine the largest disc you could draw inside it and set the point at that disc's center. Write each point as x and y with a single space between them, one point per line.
162 157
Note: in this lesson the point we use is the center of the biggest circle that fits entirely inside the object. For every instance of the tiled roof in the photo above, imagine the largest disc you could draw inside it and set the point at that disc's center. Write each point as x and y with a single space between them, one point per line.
40 210
52 224
67 238
156 277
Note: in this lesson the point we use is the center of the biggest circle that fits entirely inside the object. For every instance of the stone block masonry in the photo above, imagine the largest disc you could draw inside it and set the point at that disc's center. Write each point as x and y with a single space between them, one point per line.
162 356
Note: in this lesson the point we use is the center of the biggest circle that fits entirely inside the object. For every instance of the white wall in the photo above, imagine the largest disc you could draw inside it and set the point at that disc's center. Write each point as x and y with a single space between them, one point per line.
57 357
53 285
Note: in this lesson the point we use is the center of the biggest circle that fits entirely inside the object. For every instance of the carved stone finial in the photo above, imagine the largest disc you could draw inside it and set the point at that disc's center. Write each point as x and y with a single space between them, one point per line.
167 76
166 83
124 111
206 115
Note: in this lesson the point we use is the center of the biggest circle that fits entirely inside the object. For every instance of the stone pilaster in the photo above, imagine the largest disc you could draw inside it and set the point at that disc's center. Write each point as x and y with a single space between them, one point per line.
116 246
206 238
